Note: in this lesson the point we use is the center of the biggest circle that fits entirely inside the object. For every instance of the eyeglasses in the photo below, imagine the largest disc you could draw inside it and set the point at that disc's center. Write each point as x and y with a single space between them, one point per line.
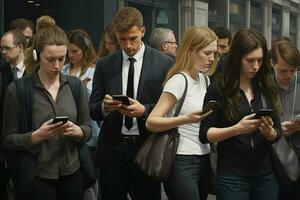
170 42
6 49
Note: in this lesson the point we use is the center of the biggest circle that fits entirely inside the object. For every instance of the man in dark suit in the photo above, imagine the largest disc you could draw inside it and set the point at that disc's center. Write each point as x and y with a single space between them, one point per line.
138 71
12 48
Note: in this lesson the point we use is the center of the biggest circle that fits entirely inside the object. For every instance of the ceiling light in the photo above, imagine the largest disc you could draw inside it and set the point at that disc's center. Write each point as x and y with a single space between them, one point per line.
30 1
37 4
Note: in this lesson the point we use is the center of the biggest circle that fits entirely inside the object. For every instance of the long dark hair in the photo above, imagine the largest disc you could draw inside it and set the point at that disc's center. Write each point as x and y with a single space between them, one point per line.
227 83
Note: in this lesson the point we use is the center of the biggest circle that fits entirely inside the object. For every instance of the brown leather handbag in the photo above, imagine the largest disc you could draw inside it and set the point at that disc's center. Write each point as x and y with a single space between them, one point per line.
156 155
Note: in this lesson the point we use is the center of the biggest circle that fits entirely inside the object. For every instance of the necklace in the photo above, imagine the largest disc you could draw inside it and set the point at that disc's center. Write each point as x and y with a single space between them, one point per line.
294 100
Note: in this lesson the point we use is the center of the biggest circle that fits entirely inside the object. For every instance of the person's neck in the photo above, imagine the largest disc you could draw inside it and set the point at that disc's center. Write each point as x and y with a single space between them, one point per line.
245 84
18 60
193 74
47 80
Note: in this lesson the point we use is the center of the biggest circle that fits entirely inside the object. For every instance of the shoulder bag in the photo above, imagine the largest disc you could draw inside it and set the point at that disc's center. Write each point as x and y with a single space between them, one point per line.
156 155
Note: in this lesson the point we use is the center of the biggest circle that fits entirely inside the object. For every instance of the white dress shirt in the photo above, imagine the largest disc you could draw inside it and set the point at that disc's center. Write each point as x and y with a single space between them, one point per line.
137 72
21 69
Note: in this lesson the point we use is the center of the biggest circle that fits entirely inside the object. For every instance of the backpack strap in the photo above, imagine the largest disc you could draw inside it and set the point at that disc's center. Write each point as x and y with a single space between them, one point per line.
24 102
75 85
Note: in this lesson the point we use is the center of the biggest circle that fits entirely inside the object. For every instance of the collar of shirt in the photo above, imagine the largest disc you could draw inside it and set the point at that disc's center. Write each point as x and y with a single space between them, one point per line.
21 67
139 55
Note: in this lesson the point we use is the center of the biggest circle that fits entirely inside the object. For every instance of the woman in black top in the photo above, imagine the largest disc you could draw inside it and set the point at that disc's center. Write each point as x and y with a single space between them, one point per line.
244 155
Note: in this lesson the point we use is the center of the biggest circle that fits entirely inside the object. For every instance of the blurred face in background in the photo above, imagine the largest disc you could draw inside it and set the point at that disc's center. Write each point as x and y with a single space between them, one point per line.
11 52
109 44
223 45
75 54
169 47
284 73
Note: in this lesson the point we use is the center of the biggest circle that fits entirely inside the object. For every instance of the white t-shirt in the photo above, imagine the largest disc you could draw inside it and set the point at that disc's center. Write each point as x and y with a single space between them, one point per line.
189 143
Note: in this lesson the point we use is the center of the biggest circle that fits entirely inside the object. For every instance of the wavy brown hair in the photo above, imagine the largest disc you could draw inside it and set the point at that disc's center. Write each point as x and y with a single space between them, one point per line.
228 82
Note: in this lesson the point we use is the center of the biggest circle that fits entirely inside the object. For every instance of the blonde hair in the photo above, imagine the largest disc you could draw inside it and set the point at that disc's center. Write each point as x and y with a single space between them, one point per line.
193 40
43 22
52 35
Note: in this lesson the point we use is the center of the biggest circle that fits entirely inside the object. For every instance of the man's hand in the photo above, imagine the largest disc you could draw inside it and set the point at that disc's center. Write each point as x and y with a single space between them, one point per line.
135 109
110 104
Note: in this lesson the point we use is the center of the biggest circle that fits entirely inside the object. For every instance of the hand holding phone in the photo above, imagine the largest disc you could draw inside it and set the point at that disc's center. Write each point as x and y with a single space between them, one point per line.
123 98
63 119
263 112
296 119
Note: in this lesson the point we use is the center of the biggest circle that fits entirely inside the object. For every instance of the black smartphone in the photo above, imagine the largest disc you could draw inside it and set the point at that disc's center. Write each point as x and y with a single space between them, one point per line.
263 112
123 98
63 119
211 105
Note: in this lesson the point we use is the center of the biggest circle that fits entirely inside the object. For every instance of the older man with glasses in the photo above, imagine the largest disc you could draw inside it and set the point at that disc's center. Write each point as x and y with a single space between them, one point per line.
163 39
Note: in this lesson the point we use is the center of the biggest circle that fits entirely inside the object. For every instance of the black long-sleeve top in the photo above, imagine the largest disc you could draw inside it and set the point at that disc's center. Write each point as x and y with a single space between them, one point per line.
244 155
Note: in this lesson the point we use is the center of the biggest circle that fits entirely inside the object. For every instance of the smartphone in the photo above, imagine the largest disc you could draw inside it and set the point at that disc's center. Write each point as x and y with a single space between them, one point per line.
263 112
296 118
211 105
63 119
123 98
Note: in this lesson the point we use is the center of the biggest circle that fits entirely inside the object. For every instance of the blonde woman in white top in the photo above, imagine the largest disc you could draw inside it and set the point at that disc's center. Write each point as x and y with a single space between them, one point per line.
189 177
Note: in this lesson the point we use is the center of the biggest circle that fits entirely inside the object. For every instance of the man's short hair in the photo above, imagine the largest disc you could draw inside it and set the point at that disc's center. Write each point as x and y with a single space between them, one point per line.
223 33
21 24
126 18
18 37
158 36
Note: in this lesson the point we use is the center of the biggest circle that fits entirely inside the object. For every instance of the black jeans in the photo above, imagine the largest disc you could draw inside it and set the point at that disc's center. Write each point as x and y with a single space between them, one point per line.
69 187
120 176
189 178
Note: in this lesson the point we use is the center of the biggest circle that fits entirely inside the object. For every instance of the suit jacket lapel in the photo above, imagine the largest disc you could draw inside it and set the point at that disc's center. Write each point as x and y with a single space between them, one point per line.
146 66
117 68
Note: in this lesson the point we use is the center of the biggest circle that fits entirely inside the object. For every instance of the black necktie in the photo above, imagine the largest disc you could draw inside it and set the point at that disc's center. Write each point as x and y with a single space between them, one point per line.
129 91
15 72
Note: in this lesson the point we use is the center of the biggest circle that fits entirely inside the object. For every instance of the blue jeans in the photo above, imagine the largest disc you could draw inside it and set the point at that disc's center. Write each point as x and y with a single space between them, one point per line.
234 187
189 178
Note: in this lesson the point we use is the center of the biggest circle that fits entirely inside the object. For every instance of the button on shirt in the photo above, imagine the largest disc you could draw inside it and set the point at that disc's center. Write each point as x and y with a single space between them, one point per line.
137 72
21 69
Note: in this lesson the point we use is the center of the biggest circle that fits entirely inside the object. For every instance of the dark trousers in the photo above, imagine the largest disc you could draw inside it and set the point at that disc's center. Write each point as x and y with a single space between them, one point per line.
69 187
290 191
189 178
234 187
120 176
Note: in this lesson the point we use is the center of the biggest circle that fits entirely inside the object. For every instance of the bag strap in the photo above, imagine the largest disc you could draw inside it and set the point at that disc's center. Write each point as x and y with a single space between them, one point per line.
180 103
75 84
24 92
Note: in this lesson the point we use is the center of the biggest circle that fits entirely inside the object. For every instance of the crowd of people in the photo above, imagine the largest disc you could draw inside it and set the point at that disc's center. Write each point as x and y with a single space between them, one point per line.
59 107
